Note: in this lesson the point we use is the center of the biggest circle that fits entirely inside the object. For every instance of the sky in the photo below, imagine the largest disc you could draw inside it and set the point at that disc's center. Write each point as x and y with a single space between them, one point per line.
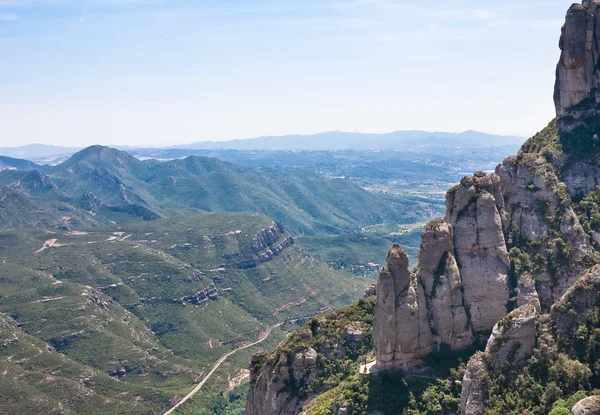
165 72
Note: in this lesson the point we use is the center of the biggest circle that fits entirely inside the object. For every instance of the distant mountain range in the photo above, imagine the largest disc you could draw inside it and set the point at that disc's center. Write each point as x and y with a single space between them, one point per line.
335 140
100 185
33 151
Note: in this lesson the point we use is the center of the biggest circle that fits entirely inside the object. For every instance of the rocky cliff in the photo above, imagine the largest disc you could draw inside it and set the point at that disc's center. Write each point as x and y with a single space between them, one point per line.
290 377
577 73
476 264
516 255
266 244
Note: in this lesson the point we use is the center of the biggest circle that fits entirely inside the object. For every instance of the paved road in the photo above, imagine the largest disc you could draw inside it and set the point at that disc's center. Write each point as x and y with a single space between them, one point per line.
215 367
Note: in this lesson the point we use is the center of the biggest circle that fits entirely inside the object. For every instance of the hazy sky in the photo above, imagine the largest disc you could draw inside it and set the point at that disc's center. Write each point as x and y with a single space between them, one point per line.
160 72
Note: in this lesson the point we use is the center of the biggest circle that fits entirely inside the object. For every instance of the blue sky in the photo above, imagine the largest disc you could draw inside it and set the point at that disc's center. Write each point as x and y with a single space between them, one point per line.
161 72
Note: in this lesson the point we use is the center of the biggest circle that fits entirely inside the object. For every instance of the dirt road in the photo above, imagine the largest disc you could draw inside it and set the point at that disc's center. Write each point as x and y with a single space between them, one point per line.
216 366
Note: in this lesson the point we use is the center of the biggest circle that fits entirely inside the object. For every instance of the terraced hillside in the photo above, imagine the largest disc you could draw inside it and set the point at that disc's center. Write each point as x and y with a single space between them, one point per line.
125 319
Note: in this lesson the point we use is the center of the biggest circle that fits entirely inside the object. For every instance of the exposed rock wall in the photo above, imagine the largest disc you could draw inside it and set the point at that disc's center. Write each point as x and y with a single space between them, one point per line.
577 92
587 406
460 286
512 341
466 280
274 382
266 244
472 400
575 73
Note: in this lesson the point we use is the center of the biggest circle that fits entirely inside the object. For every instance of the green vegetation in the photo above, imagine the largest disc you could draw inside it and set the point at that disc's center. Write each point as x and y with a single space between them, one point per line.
351 253
231 403
100 184
122 304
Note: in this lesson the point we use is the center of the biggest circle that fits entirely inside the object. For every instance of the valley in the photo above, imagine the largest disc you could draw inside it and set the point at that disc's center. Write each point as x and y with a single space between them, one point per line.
154 304
292 208
164 277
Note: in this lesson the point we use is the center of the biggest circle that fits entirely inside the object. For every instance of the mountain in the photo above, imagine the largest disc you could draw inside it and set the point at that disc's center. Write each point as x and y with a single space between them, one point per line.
9 163
508 281
127 319
100 184
337 140
33 151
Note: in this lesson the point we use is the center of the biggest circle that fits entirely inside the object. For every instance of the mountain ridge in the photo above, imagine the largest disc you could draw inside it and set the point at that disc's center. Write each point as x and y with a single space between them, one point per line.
103 184
338 140
318 141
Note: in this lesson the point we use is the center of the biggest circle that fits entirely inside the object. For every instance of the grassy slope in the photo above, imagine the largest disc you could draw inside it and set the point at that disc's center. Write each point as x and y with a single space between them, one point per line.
107 300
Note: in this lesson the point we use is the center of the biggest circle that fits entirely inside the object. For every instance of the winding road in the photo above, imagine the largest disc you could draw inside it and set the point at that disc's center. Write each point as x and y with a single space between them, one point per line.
216 366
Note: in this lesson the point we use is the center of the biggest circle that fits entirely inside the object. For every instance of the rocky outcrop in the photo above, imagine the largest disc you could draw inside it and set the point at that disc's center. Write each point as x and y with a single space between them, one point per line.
287 380
512 342
267 237
460 286
513 338
587 406
273 383
508 239
578 305
401 324
472 399
576 73
266 244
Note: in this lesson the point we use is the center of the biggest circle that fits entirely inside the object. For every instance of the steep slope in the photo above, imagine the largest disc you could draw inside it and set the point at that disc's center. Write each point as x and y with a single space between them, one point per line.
516 255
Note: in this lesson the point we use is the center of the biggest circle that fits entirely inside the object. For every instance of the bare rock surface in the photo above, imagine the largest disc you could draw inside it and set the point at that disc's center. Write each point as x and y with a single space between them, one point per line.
460 286
587 406
473 386
513 337
271 392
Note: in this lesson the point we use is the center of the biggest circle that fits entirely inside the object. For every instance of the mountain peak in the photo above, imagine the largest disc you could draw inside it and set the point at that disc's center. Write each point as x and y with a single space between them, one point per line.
100 154
578 71
95 151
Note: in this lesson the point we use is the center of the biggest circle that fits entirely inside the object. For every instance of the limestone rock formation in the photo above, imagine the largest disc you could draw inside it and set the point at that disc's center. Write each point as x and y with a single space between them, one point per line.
271 380
576 72
587 406
473 386
460 286
512 341
513 337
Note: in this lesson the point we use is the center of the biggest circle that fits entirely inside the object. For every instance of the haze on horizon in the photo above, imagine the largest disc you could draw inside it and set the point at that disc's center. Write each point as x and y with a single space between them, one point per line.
166 72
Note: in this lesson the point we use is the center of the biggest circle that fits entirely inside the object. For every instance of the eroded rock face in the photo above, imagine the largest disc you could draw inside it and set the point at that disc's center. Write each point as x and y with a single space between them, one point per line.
513 337
271 392
512 341
460 286
266 244
473 386
578 305
587 406
576 73
465 281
